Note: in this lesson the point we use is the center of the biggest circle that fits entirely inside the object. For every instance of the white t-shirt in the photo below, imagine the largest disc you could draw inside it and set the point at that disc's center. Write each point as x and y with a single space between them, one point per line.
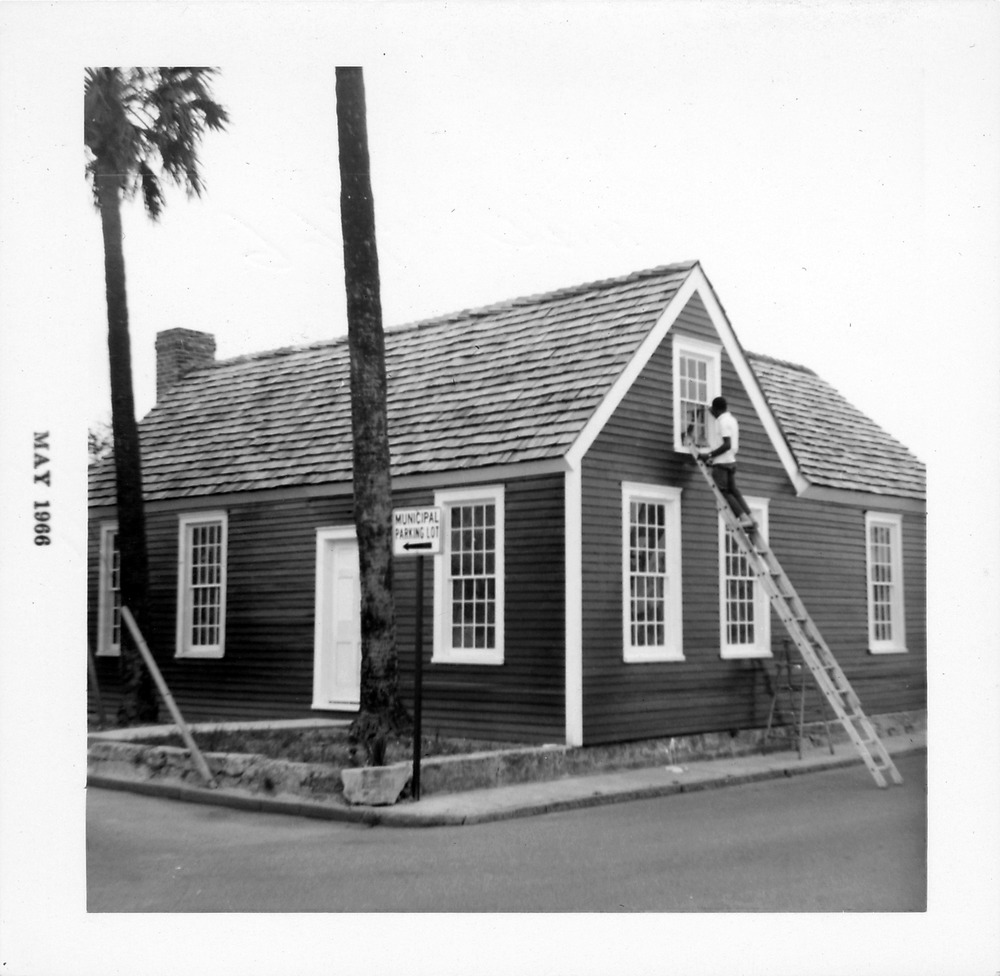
726 425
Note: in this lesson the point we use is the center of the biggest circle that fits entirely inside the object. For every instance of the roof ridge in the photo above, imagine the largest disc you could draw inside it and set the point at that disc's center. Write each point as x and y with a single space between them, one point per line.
266 353
764 358
547 296
470 313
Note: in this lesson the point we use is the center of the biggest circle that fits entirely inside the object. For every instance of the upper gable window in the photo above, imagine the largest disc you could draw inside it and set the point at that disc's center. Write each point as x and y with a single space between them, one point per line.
697 370
886 629
201 585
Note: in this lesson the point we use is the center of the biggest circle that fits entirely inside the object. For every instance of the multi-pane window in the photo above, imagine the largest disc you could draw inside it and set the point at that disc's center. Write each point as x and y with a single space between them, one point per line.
205 579
885 582
109 618
469 584
697 378
472 556
745 612
739 595
202 586
647 573
692 377
651 572
882 583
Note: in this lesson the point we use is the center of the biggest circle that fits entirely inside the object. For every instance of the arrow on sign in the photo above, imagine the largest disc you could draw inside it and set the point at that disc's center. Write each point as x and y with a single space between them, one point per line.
418 545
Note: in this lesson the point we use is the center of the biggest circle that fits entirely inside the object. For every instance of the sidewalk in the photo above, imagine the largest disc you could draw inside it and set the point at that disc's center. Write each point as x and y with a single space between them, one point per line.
534 798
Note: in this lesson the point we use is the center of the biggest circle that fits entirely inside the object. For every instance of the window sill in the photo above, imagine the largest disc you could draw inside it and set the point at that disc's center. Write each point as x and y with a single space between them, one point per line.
207 653
744 654
646 656
887 649
467 657
682 447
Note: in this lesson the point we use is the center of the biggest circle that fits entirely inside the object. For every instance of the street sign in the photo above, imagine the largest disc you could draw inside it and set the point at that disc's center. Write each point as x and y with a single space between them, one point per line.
416 531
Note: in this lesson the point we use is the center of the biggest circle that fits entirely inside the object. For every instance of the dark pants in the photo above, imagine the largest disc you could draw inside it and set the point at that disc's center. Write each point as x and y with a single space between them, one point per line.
725 478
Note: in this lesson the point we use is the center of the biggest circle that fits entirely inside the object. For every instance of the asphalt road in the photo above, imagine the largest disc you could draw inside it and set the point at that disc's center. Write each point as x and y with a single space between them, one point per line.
823 842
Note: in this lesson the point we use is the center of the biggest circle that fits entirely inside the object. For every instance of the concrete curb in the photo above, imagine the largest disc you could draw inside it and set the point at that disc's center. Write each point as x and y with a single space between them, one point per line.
134 754
522 800
235 799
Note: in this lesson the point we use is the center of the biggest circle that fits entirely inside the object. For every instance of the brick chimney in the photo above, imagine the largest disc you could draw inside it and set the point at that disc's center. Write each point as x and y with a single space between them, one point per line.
178 351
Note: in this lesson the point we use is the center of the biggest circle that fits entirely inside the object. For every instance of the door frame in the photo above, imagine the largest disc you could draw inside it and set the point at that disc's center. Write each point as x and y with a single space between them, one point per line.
326 538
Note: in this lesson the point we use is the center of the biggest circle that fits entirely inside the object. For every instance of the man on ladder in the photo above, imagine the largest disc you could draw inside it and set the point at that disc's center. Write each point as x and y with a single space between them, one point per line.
816 654
722 460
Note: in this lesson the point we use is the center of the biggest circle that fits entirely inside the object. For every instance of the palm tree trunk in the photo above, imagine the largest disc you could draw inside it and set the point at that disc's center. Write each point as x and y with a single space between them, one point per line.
381 710
139 697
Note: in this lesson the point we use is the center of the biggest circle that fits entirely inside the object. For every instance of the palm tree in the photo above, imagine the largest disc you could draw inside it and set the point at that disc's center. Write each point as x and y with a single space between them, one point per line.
138 121
381 712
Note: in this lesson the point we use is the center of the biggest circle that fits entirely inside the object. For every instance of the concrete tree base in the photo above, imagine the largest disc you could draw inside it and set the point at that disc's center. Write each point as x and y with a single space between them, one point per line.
375 786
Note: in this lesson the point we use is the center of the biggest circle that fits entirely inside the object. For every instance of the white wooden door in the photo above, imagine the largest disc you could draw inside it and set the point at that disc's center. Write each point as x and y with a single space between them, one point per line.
337 666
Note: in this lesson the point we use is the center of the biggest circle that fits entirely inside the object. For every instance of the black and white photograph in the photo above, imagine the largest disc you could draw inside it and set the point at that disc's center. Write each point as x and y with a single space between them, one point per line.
499 488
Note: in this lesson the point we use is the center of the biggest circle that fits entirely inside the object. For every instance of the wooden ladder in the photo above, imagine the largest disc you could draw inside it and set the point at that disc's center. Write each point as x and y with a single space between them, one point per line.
815 653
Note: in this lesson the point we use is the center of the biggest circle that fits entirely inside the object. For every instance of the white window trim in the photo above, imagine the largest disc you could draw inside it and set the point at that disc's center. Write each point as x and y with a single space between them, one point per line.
895 523
104 610
673 646
443 652
183 647
761 648
685 345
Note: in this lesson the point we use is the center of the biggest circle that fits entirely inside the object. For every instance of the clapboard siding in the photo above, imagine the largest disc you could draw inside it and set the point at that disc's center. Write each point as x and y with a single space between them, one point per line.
522 699
828 569
267 670
821 545
268 667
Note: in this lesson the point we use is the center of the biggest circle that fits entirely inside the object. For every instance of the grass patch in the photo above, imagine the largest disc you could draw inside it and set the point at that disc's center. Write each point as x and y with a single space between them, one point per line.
318 745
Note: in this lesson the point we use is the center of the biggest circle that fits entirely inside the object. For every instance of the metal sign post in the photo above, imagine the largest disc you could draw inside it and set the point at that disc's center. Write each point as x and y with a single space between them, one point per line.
418 677
417 532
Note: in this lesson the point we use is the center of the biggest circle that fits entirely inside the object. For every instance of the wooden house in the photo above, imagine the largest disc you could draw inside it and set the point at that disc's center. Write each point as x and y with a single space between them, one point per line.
587 592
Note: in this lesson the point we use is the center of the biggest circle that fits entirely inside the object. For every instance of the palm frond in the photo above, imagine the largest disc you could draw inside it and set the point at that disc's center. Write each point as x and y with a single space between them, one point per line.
138 121
152 194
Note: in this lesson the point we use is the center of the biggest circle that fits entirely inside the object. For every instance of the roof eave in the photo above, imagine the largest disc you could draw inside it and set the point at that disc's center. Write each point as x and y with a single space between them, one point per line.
696 282
602 414
867 498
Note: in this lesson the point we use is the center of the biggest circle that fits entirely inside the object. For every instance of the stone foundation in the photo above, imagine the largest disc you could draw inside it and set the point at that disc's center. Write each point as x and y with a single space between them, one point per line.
253 773
451 774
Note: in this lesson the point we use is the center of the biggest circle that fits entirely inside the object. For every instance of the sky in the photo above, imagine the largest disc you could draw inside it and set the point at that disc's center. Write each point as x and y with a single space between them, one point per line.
802 166
834 166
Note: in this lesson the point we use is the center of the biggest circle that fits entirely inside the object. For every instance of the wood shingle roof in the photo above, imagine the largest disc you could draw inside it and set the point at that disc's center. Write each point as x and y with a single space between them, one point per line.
510 383
834 443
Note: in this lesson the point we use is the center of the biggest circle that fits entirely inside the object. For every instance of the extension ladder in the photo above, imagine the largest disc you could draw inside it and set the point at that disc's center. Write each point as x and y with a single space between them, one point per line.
815 653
